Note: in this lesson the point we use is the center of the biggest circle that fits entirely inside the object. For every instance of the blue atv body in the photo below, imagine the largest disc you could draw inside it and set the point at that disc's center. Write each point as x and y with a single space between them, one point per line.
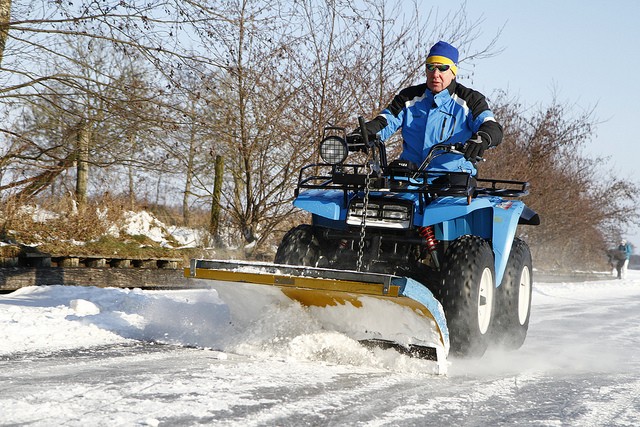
490 217
452 232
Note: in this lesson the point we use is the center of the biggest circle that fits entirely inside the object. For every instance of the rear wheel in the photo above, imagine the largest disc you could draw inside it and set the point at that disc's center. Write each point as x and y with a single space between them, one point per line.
299 247
467 295
513 298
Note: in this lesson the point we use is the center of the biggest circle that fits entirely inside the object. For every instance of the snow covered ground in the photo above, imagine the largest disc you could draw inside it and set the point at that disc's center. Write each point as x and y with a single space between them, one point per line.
80 356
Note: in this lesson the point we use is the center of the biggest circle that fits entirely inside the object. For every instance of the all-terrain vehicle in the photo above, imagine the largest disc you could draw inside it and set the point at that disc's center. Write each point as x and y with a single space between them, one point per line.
405 234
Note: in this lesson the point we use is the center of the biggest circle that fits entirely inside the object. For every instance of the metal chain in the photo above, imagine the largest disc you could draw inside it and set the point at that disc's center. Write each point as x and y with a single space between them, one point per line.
363 223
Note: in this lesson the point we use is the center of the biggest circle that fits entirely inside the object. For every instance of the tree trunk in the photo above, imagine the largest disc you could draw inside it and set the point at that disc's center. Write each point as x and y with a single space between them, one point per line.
215 205
186 212
82 159
5 18
131 174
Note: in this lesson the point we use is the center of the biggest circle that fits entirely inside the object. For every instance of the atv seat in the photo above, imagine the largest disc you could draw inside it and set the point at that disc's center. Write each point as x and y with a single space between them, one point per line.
454 183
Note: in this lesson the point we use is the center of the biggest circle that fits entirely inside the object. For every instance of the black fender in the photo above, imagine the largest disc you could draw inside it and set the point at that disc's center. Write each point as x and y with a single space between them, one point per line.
529 217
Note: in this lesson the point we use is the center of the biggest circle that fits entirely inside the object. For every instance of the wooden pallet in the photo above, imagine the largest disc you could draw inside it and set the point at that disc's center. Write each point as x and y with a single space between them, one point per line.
38 269
47 260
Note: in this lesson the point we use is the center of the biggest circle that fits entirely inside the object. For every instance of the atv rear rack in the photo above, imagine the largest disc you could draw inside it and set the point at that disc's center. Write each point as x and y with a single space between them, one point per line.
431 184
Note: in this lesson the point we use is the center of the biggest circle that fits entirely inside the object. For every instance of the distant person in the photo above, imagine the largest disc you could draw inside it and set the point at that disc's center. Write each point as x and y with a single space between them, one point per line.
613 257
439 111
625 248
616 260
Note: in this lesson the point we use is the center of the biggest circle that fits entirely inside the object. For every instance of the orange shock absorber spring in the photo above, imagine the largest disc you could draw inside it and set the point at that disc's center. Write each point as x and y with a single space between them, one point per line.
429 237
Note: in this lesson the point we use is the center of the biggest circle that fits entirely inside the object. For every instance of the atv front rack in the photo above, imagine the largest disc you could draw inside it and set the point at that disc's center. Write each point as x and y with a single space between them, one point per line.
432 184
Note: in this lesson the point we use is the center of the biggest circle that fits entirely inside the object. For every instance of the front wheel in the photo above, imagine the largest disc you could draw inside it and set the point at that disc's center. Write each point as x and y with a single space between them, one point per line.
467 295
299 246
514 298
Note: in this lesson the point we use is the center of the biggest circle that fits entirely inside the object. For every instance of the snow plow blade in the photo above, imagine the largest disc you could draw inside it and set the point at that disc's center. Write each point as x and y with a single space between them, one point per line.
376 309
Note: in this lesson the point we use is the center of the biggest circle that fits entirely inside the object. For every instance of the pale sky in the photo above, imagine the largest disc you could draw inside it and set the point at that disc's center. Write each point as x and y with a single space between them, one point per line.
585 51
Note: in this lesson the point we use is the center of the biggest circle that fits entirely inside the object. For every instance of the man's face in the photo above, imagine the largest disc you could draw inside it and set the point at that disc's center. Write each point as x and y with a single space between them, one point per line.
438 80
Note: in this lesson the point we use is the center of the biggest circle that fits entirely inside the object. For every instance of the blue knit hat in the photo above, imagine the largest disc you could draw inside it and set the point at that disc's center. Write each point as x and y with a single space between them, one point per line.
444 53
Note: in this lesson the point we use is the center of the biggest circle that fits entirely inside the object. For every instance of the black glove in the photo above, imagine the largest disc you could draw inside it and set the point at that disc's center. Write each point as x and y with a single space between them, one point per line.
476 145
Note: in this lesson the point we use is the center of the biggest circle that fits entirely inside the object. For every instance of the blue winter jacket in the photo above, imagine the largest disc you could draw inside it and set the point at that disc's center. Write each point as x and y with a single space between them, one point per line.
450 116
626 248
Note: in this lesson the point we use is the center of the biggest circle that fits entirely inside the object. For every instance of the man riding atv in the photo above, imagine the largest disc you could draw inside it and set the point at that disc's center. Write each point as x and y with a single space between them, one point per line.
423 259
439 111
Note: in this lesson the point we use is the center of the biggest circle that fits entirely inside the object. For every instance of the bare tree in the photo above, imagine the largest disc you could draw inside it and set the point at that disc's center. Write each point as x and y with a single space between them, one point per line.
83 118
5 17
160 84
38 63
582 206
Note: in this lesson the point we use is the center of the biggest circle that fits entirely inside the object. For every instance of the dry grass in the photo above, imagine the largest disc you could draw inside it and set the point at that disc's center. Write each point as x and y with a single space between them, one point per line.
60 227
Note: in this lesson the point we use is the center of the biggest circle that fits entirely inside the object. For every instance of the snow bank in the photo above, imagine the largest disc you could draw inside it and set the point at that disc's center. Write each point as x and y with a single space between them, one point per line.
52 318
145 224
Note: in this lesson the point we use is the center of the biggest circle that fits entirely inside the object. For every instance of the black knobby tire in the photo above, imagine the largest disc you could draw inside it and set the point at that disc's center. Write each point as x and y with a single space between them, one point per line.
299 246
513 298
467 295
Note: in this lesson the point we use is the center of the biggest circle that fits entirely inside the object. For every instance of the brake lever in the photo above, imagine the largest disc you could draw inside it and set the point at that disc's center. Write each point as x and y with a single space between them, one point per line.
458 148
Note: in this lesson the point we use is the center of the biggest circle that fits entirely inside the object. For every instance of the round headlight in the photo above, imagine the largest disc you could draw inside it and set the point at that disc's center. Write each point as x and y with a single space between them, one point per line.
333 150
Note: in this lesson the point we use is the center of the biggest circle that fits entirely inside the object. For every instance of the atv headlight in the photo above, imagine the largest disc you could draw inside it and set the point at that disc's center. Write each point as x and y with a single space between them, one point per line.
333 150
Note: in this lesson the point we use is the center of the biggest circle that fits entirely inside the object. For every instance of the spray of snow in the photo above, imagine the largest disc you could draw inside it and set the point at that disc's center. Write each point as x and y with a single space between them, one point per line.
50 318
575 346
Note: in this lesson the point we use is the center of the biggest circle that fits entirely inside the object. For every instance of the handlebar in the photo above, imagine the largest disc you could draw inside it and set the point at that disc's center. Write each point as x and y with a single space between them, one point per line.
380 157
440 149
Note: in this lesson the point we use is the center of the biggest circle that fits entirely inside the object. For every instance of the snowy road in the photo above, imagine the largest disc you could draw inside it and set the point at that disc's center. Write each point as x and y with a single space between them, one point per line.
85 356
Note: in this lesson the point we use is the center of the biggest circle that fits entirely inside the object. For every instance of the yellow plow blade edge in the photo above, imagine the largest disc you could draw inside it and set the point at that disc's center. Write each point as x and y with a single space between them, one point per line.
377 308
